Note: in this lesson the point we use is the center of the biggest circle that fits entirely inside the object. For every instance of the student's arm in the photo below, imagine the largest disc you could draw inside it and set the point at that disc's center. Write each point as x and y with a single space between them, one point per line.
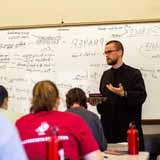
10 145
95 155
100 135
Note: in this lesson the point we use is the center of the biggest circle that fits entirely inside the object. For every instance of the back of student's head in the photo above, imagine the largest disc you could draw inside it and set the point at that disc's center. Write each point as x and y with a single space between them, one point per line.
45 94
76 95
3 94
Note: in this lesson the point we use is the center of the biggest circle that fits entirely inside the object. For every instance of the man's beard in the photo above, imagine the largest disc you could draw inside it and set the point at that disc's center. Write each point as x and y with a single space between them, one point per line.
112 62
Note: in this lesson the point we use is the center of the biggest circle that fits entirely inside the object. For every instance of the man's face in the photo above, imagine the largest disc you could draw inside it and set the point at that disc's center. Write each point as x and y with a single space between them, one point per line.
112 54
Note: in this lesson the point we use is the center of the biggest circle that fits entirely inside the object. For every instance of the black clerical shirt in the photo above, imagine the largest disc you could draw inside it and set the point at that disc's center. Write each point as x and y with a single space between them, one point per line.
117 112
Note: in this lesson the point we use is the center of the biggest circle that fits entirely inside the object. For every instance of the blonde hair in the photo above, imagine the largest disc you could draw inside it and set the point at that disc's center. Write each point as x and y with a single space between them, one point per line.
45 94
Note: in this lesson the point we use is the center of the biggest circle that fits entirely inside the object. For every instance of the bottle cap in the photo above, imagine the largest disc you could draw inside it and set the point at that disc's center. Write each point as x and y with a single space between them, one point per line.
132 124
54 130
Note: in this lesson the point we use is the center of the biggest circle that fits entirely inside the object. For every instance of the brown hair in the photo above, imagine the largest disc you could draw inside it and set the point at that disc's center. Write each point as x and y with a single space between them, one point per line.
76 95
45 94
117 44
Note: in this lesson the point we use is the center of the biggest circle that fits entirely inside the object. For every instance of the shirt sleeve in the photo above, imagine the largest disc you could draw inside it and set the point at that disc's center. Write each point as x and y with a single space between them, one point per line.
136 95
100 135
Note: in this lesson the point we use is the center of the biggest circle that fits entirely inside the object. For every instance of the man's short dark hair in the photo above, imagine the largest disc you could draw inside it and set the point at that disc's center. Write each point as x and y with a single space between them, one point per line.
117 44
76 95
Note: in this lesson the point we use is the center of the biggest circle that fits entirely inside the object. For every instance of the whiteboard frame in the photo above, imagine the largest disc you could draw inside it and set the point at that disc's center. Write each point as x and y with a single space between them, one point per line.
62 23
65 24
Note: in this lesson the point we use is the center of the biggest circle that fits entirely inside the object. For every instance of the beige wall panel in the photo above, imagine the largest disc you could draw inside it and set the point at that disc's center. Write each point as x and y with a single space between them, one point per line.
36 12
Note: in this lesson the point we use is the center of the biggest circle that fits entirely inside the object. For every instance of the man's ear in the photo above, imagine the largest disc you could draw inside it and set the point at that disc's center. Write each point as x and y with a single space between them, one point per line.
121 53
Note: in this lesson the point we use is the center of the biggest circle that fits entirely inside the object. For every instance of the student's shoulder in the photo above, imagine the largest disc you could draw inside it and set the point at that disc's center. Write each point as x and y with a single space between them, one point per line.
3 120
24 118
71 114
73 118
93 114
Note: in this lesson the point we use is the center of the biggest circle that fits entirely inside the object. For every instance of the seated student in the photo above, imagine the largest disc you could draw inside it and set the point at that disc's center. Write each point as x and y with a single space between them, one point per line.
12 116
35 127
10 145
76 101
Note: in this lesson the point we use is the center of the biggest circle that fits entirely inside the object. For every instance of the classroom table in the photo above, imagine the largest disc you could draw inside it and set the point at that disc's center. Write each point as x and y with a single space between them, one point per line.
140 156
124 147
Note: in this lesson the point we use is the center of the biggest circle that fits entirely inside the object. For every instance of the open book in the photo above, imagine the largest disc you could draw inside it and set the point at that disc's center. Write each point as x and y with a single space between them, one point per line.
115 152
96 98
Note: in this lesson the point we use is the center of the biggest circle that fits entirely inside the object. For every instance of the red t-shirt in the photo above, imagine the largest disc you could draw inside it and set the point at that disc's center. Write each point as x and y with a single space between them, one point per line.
35 128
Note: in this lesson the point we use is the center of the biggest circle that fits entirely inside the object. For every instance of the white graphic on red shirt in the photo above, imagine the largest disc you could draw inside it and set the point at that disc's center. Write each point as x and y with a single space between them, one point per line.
42 128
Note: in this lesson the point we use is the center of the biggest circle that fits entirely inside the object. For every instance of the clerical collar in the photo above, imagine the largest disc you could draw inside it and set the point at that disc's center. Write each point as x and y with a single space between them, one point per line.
122 66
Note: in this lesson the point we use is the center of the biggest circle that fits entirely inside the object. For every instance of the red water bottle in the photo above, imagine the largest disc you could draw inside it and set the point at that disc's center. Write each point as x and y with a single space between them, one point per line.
55 148
133 139
53 145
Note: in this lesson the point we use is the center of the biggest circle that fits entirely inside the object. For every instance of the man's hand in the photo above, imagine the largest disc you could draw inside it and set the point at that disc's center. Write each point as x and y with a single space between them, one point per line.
95 100
116 90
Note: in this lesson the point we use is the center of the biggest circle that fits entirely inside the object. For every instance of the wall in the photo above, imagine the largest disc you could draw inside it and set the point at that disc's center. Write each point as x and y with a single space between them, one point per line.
21 12
35 12
151 129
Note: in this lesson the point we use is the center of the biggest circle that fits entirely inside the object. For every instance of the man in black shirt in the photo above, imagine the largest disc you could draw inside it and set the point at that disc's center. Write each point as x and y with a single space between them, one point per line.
124 88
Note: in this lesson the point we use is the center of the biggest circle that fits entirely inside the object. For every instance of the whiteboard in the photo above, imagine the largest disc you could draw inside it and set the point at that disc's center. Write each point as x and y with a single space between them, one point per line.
72 57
